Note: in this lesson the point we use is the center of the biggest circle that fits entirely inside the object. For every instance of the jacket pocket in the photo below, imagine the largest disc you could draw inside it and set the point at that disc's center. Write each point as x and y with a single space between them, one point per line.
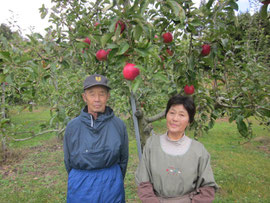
98 158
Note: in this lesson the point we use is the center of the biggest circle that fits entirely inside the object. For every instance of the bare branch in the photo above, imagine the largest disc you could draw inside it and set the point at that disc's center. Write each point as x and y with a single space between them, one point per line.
220 103
155 117
41 133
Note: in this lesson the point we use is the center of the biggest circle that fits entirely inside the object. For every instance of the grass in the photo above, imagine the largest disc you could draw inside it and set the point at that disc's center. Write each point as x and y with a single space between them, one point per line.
37 174
27 122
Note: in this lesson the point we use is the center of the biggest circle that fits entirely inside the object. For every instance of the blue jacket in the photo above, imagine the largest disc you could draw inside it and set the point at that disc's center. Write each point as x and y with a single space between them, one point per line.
95 144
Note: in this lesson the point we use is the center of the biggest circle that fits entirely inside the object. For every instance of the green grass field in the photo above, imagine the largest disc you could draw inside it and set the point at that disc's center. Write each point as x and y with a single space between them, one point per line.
35 171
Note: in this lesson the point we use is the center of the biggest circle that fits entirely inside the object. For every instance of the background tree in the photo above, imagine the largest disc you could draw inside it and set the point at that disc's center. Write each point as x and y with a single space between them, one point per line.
230 77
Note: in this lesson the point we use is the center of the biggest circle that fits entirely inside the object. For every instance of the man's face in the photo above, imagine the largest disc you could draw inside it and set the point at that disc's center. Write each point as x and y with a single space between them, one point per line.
96 99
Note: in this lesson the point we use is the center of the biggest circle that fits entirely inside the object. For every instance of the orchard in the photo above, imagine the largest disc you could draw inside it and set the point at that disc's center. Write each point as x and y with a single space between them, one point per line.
154 49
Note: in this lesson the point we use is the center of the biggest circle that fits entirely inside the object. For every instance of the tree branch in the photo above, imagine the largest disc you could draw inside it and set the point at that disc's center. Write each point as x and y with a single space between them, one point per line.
155 117
219 102
41 133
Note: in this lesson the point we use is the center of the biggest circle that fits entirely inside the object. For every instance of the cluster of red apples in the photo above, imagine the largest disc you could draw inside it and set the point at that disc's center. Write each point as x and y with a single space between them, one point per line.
130 72
206 49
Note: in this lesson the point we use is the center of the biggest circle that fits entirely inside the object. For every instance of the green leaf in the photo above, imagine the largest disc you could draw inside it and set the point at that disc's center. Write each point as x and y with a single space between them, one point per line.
263 11
265 112
61 114
224 42
123 48
9 79
138 32
105 38
142 52
178 10
4 121
143 6
33 40
43 11
112 26
196 22
233 5
241 126
161 77
135 85
191 62
112 46
65 63
211 123
5 55
25 59
38 36
209 4
28 69
108 7
2 78
135 5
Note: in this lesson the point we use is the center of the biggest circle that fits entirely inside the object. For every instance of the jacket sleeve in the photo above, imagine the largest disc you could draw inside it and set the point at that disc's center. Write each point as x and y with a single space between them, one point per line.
206 185
124 152
143 177
146 193
205 195
66 151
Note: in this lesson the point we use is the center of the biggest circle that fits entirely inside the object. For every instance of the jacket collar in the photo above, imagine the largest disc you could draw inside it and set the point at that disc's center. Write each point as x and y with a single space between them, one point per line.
88 119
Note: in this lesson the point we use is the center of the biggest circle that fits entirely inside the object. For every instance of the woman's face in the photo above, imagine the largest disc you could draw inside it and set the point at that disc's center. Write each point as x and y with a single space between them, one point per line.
177 120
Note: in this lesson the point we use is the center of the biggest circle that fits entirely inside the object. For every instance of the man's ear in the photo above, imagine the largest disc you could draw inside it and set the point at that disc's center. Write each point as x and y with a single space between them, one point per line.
83 96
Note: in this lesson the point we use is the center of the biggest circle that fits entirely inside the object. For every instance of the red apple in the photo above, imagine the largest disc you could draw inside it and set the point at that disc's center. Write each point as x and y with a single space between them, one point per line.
206 48
101 55
162 58
130 72
156 36
87 40
170 52
167 37
122 24
189 89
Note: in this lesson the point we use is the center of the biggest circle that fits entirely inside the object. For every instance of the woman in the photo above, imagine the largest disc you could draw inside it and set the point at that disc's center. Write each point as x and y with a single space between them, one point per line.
175 168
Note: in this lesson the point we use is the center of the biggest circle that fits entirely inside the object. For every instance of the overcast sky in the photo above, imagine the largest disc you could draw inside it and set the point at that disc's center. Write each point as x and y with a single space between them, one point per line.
27 16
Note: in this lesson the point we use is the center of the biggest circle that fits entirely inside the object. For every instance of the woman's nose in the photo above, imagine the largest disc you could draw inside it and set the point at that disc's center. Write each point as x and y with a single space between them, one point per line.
176 117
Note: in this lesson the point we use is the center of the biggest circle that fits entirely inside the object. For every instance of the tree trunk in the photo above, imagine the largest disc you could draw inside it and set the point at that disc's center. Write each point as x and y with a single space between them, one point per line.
3 147
3 100
144 126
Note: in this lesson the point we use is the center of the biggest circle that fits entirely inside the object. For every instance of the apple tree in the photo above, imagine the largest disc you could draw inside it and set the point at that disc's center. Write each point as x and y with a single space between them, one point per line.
18 77
224 75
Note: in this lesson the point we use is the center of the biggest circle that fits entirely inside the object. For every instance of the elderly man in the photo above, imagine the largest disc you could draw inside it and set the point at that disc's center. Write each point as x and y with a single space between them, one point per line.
96 148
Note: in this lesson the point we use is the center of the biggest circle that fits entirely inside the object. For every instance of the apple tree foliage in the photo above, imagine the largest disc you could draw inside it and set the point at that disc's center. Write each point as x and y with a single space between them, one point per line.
232 81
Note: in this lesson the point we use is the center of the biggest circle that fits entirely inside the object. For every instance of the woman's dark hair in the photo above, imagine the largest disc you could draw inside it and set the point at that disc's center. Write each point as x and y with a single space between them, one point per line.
186 101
